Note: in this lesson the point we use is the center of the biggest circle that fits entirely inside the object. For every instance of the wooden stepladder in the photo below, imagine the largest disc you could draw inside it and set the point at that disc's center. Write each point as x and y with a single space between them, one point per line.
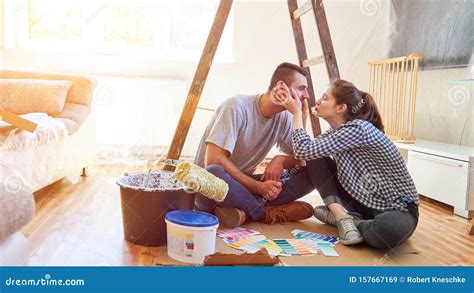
210 48
328 57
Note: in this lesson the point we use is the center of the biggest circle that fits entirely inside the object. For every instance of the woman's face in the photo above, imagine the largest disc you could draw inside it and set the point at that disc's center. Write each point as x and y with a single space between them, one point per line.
326 106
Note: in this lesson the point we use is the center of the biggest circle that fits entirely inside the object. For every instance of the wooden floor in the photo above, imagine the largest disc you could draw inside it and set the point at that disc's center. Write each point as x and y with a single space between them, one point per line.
81 224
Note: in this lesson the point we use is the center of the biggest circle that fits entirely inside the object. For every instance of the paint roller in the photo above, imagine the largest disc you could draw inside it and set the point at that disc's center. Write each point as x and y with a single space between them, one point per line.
200 180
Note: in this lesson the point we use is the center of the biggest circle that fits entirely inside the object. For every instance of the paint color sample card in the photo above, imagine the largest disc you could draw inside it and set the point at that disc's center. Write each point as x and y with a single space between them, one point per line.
286 246
272 247
302 248
237 243
327 248
314 236
255 243
232 239
269 245
236 233
294 247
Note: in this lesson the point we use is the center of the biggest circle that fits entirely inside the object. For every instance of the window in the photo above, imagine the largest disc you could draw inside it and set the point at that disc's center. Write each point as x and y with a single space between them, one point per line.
175 29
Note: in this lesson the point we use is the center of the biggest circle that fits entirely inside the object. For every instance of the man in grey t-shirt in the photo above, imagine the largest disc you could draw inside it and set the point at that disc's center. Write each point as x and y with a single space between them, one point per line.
238 138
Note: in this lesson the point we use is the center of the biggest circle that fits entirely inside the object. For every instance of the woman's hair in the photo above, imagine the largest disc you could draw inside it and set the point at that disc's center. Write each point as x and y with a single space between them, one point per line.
360 105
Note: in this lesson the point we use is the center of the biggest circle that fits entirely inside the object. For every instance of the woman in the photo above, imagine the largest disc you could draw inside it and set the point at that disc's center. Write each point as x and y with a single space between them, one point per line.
372 198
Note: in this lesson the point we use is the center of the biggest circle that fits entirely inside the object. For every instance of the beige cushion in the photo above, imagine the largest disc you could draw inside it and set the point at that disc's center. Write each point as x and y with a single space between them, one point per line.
23 96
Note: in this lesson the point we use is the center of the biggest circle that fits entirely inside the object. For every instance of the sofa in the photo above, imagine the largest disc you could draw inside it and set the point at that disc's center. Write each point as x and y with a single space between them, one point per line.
63 144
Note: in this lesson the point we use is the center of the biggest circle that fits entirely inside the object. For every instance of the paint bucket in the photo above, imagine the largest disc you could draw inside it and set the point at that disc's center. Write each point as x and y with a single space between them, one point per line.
145 199
191 235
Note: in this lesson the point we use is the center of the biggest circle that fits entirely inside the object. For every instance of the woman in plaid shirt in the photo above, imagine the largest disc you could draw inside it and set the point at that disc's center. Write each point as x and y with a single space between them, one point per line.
361 176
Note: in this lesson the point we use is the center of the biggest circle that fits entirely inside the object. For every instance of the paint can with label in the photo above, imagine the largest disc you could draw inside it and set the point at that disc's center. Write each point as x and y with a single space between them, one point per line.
191 235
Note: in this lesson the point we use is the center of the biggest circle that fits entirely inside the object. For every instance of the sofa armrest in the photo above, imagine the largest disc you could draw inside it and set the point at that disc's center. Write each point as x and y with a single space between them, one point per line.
73 115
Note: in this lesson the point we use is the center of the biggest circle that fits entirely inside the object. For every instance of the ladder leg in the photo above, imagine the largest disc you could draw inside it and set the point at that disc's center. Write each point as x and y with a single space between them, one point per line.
325 38
199 80
302 55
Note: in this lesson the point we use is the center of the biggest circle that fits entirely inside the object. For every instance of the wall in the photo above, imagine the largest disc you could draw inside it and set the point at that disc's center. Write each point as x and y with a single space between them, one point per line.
1 33
445 110
263 39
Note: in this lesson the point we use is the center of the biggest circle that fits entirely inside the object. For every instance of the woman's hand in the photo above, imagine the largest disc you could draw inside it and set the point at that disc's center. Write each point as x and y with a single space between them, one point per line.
284 96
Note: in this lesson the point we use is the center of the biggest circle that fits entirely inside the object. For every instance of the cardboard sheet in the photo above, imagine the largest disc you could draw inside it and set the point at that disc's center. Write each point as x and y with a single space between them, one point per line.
359 255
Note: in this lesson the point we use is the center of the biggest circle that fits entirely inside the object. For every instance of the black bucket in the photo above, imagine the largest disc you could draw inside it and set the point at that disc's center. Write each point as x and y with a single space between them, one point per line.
145 199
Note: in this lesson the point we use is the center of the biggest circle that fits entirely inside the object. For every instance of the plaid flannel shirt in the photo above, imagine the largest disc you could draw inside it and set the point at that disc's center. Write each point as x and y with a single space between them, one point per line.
369 166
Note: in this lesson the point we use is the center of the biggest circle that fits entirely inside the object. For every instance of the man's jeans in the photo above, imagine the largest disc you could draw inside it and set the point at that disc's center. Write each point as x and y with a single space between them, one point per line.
253 204
381 229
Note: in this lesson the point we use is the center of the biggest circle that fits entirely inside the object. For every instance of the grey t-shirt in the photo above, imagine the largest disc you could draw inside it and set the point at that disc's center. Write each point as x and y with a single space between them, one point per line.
238 127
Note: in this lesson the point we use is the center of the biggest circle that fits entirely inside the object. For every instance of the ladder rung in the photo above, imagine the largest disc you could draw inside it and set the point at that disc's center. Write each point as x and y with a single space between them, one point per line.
313 61
303 9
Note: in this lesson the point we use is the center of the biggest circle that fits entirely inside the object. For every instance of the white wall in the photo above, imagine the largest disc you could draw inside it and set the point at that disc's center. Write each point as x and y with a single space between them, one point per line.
263 39
444 110
1 33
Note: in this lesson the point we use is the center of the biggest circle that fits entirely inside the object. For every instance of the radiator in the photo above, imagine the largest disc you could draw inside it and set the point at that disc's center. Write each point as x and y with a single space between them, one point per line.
138 112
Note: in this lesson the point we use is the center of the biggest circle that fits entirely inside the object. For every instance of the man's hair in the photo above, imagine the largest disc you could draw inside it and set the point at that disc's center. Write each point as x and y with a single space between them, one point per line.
286 73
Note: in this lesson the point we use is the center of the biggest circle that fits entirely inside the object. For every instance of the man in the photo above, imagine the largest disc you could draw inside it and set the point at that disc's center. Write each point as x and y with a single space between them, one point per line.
241 133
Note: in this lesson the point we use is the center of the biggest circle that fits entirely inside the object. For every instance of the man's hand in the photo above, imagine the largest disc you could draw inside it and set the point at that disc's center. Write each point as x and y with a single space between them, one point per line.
274 169
269 189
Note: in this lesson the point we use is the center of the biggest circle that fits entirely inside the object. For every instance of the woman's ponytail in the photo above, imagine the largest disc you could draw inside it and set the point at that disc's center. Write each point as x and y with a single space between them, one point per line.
360 105
370 112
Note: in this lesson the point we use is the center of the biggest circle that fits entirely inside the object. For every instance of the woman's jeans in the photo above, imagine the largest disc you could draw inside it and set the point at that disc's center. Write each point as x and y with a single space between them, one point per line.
380 229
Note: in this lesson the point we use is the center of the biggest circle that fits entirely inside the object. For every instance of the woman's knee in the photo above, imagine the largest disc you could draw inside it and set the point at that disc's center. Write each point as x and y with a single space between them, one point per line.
388 231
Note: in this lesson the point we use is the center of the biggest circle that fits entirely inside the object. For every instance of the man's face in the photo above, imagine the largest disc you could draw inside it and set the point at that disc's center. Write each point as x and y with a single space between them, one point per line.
300 85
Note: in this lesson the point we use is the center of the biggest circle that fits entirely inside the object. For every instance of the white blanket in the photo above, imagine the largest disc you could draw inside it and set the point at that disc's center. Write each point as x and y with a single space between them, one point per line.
28 160
48 130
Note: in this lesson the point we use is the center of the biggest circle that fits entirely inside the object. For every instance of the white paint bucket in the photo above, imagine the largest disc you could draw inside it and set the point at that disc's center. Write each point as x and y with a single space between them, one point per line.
191 235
